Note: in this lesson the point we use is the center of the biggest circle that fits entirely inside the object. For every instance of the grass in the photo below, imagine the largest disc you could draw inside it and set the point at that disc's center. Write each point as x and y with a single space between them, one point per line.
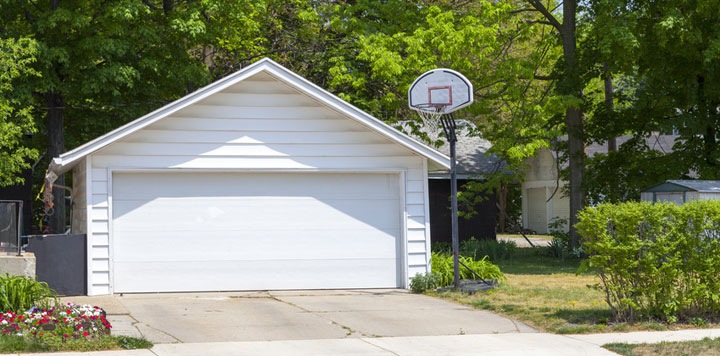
705 347
14 343
546 293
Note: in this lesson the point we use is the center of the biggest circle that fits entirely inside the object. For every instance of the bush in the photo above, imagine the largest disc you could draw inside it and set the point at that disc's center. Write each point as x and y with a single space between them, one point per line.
442 247
442 264
424 282
18 293
493 249
655 261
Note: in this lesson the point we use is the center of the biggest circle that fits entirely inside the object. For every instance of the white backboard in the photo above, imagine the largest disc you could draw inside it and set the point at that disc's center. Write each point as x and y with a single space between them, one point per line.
440 87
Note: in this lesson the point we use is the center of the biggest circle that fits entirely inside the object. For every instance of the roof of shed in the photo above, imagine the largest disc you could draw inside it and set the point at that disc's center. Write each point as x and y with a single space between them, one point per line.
702 186
68 159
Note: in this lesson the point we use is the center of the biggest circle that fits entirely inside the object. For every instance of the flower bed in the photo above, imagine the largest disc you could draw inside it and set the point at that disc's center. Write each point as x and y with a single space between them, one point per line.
60 323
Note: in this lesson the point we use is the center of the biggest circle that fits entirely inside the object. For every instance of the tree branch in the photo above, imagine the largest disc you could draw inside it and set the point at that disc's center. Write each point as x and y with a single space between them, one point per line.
543 10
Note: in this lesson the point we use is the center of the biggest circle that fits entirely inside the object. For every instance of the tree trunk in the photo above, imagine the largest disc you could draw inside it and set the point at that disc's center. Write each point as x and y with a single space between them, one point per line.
56 146
573 117
502 202
612 141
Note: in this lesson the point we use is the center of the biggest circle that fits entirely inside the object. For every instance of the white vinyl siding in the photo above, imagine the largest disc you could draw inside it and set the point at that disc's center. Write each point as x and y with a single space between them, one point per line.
282 130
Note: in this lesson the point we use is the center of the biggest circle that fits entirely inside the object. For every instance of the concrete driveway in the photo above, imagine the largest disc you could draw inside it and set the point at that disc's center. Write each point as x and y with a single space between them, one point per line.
292 315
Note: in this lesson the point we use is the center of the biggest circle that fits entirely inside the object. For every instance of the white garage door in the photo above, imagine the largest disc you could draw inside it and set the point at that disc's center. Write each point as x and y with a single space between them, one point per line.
230 231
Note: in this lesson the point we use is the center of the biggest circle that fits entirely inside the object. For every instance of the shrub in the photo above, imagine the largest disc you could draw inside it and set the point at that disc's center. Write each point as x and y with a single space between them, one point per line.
493 249
424 282
442 247
442 264
18 293
655 261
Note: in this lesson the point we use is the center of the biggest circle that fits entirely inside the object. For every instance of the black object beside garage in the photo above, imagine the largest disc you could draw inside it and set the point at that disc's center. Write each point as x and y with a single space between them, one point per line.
60 262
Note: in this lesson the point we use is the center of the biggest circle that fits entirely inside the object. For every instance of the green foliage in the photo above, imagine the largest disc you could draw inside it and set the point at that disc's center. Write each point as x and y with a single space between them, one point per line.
27 343
494 250
559 246
442 264
132 343
19 293
442 247
16 60
425 282
655 261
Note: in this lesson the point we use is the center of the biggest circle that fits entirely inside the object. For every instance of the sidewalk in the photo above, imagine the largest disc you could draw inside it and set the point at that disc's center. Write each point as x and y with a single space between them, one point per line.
535 344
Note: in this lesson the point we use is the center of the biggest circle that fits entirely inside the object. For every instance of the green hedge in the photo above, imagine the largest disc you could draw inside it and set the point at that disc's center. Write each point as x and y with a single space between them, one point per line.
655 261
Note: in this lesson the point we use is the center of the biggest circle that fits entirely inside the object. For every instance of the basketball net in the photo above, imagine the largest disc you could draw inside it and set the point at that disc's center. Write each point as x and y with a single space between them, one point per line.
430 115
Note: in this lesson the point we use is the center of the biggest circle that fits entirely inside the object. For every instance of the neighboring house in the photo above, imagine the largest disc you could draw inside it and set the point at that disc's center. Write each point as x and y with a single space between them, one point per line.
261 180
473 162
682 191
542 192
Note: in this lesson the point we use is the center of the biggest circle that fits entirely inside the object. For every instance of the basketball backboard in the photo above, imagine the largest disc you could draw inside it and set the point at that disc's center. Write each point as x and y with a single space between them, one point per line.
440 90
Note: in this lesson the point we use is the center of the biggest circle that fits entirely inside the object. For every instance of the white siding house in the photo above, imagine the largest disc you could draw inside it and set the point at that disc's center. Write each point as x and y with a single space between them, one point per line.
542 193
259 181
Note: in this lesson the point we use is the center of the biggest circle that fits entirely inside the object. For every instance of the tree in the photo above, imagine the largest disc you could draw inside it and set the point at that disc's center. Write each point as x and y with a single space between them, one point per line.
16 59
665 59
569 88
103 64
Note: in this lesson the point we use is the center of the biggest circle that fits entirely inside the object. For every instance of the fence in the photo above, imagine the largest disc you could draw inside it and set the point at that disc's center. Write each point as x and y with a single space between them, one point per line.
11 225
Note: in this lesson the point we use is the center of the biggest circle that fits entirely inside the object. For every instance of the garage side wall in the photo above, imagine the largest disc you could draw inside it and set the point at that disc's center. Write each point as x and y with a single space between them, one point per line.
259 124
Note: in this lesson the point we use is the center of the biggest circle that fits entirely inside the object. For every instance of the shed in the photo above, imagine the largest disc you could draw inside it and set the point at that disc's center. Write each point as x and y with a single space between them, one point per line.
682 191
258 181
473 163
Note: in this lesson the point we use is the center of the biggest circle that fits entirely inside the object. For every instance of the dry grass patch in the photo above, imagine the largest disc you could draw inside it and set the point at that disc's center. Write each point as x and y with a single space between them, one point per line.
546 293
705 347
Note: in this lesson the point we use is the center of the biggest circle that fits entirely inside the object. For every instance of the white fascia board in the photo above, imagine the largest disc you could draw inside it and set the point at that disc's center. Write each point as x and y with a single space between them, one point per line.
66 160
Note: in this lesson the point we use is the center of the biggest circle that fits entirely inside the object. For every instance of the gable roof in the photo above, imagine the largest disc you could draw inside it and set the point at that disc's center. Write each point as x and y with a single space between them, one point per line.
702 186
68 159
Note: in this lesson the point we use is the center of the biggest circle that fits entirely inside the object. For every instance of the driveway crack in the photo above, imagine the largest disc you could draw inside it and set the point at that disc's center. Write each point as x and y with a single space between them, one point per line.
349 330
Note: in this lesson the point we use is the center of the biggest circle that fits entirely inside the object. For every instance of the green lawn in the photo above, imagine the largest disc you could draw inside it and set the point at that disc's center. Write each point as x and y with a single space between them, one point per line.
705 347
15 344
547 293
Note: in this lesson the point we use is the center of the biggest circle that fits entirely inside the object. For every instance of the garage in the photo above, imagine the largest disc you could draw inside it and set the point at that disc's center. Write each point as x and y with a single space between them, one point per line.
259 181
230 231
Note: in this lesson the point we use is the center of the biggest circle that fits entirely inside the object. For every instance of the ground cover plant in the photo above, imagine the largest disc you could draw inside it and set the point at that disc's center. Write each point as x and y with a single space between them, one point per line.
548 294
61 328
656 261
705 347
33 321
443 272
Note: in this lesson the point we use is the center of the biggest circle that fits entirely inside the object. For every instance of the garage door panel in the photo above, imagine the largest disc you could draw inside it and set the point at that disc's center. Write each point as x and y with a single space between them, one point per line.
251 275
239 231
256 245
223 185
207 214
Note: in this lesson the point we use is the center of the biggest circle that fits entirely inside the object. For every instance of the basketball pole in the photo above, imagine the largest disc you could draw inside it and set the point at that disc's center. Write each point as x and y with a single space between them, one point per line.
449 126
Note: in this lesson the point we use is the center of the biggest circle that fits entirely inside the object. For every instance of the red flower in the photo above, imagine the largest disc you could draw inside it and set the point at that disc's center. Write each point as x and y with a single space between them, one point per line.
86 333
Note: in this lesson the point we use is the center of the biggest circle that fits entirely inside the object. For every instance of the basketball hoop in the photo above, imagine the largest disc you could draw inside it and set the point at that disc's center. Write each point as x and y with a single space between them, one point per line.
430 115
433 94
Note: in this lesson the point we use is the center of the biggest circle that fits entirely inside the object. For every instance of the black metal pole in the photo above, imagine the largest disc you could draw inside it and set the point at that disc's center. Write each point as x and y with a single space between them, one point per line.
448 122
